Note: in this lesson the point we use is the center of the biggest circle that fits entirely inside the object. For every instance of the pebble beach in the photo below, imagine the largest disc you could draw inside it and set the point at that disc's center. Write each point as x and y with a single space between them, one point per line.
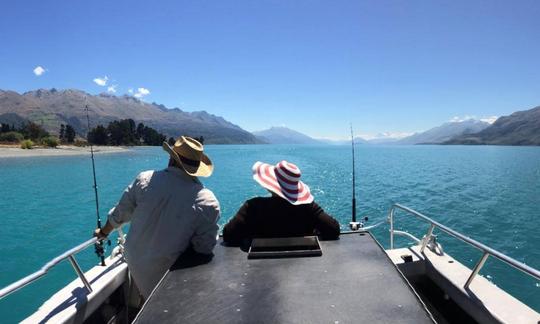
7 151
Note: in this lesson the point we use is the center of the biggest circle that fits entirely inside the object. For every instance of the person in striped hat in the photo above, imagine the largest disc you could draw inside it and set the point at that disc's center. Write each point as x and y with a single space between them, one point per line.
289 211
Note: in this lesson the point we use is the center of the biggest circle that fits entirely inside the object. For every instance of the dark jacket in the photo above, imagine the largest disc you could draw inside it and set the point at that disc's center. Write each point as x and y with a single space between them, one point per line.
276 217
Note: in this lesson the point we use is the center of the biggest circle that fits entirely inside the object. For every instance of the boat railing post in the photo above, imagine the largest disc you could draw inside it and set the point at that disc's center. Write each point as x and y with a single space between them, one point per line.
476 269
391 218
427 237
80 273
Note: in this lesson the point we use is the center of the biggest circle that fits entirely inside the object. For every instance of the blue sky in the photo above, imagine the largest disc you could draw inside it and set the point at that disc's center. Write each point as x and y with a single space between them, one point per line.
314 66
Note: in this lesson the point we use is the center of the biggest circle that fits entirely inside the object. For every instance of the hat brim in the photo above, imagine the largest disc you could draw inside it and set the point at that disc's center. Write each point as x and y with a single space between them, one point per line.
265 175
204 169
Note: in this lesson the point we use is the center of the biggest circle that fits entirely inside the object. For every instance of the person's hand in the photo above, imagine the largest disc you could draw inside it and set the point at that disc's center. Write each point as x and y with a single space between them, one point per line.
100 234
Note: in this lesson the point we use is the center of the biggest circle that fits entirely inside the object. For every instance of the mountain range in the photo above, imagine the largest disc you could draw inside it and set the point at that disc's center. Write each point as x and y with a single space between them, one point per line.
284 135
50 108
520 128
445 132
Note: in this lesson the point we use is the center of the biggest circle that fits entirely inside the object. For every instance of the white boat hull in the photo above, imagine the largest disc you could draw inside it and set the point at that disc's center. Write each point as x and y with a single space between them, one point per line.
482 300
73 303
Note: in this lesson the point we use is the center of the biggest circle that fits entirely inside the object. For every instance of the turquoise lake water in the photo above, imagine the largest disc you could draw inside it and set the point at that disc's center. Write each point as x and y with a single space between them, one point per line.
491 194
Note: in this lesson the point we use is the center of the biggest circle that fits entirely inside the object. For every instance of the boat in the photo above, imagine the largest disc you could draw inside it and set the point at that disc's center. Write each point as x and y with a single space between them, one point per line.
350 280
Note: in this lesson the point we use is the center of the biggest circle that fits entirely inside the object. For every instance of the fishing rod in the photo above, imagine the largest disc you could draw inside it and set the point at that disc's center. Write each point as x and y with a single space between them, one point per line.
354 225
100 251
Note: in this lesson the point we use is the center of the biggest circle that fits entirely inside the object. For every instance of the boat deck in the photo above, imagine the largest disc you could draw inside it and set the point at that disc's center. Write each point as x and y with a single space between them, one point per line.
352 282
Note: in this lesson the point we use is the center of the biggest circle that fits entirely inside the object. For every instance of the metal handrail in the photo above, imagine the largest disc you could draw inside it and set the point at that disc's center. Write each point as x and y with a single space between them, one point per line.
409 235
69 254
487 251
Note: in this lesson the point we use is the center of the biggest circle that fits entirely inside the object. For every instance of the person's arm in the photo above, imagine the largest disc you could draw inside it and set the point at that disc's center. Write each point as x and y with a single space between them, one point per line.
103 232
122 212
326 225
205 237
236 229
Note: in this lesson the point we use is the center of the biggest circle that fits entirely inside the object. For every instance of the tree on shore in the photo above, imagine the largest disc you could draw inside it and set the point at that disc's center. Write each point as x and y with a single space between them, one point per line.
69 134
140 130
11 137
152 137
30 133
29 130
122 132
125 132
33 131
98 135
62 132
4 128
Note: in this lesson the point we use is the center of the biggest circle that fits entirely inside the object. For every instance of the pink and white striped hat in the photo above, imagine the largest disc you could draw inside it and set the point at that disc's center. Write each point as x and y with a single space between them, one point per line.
283 179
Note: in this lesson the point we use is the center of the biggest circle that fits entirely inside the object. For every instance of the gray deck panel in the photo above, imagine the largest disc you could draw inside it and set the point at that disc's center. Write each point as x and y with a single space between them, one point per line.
353 282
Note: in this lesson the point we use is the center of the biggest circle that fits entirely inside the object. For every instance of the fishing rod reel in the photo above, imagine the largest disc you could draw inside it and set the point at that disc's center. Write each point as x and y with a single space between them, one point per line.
99 248
357 226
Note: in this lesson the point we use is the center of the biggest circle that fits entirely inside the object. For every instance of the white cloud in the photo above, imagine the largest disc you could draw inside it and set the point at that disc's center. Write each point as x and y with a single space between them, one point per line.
112 88
39 70
141 92
130 91
489 120
458 119
396 134
101 81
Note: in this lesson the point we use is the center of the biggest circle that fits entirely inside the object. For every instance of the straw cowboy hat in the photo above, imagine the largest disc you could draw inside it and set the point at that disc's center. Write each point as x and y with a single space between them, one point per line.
188 153
283 179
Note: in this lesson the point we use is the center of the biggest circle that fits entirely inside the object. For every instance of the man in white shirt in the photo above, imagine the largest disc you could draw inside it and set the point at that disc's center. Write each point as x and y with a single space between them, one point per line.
169 210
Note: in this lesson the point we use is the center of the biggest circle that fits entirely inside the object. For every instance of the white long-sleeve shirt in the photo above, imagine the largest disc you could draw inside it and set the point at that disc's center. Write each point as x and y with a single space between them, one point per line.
168 210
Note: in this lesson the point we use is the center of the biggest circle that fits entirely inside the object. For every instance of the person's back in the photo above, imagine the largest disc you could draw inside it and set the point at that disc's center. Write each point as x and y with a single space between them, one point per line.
172 211
290 211
169 211
276 217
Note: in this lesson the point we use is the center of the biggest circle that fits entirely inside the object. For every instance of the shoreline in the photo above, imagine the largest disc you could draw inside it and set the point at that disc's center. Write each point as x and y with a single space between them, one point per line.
9 151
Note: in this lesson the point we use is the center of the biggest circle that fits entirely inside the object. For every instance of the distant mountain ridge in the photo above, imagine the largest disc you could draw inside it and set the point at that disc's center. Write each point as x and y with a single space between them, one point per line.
520 128
50 108
385 138
445 132
284 135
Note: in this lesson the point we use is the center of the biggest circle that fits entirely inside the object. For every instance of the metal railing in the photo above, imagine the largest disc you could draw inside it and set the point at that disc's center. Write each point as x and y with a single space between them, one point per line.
70 255
486 250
